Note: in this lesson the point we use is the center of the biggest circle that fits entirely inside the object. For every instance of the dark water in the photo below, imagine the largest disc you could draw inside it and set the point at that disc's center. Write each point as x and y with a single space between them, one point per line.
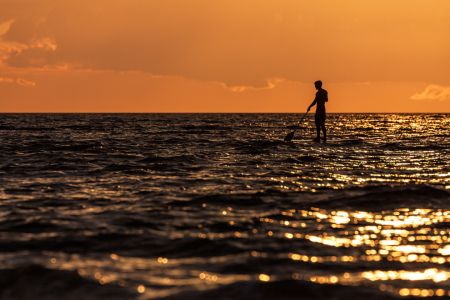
218 206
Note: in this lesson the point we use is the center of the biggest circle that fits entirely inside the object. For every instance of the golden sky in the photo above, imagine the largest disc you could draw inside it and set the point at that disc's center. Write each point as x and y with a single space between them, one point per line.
224 55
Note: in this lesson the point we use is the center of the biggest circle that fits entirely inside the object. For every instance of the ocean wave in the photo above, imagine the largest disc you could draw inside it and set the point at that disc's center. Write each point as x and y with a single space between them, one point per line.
253 147
35 226
205 248
205 128
389 198
32 282
283 290
32 129
223 200
174 159
409 147
307 158
291 160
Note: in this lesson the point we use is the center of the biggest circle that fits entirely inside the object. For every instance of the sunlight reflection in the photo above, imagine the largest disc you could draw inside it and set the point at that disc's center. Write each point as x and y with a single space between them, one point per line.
429 274
394 236
405 235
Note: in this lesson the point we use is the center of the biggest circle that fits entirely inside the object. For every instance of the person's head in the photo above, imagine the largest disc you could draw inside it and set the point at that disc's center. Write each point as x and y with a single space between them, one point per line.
318 84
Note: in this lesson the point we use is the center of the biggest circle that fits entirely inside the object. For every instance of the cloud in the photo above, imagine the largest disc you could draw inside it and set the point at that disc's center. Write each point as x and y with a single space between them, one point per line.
25 30
19 81
34 57
433 92
22 81
6 79
28 43
270 84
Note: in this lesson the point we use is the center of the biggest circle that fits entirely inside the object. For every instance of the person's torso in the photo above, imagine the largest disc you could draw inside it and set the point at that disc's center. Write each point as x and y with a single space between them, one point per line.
321 98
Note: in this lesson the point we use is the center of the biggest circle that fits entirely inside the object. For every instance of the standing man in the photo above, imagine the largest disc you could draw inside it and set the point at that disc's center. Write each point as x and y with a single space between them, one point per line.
321 98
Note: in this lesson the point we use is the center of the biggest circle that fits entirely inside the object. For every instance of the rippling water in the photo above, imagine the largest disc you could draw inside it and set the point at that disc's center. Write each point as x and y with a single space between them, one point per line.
218 206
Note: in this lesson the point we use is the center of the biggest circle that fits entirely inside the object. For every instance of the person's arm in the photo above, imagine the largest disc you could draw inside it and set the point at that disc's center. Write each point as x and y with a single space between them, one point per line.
312 104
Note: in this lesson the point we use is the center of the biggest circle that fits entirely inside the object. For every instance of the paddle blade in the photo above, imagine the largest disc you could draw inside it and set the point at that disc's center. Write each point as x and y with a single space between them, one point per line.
289 137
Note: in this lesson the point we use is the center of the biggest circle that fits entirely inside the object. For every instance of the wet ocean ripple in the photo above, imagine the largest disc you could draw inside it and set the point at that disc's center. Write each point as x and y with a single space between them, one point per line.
218 206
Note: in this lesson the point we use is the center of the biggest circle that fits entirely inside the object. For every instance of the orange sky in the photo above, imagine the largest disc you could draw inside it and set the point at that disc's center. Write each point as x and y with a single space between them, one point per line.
223 55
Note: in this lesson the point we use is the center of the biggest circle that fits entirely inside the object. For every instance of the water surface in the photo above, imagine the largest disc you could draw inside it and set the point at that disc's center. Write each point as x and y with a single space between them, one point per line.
218 206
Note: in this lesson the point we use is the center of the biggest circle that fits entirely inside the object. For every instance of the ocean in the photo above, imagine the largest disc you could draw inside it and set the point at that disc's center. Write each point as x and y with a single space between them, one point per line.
219 206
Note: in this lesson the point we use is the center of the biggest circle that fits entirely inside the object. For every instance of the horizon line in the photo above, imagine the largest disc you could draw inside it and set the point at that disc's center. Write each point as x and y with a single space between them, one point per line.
300 112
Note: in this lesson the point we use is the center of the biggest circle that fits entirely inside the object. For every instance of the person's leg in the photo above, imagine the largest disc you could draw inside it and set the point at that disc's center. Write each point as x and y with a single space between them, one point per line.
320 126
317 139
324 130
317 121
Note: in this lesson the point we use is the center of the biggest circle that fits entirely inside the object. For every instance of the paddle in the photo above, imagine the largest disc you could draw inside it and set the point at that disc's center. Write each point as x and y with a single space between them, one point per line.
289 137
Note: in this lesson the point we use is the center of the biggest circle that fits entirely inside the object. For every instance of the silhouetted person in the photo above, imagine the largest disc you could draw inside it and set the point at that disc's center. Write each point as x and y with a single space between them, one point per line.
321 98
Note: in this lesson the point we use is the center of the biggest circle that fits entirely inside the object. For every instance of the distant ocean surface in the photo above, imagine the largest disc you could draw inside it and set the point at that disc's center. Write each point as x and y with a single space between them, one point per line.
218 206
